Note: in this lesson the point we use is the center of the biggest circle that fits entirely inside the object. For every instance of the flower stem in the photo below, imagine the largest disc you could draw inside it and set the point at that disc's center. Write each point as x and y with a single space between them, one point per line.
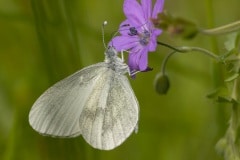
232 149
168 46
165 60
228 28
204 51
228 144
185 49
232 132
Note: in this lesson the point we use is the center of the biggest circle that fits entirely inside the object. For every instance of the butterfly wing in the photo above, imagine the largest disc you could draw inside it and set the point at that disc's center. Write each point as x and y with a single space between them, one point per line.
111 114
56 112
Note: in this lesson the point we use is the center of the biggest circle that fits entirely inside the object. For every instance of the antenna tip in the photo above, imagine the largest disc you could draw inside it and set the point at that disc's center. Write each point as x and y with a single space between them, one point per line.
105 23
103 26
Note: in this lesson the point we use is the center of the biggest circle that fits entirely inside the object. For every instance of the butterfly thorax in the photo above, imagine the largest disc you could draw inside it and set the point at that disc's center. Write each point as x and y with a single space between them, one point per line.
114 62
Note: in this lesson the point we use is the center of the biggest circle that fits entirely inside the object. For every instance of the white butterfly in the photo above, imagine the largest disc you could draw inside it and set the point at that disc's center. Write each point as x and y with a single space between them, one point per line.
96 102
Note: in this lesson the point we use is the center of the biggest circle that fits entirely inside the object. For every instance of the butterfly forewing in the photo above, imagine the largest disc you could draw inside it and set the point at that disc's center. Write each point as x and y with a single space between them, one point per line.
57 111
111 113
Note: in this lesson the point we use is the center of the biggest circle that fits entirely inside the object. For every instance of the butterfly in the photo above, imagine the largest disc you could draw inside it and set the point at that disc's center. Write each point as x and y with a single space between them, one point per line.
96 102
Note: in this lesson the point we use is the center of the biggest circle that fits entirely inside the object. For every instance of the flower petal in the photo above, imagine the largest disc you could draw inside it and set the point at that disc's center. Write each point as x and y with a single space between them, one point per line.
153 40
152 45
132 63
157 32
158 7
143 61
147 8
124 42
138 61
124 27
134 12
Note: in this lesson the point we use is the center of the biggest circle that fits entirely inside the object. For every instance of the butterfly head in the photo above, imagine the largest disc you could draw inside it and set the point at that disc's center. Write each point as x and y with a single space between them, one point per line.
111 52
114 62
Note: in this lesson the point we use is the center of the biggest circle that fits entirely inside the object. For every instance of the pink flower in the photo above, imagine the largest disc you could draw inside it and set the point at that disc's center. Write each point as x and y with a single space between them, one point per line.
138 34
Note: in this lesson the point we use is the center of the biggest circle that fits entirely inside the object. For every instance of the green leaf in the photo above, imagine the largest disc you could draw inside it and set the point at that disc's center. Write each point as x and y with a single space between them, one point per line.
223 99
230 43
232 77
213 94
221 95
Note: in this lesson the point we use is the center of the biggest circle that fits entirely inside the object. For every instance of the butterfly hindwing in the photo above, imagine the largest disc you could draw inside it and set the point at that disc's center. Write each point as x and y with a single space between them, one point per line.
111 113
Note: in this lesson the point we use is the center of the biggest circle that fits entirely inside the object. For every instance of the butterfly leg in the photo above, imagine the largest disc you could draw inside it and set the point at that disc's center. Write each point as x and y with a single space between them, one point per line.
122 56
133 73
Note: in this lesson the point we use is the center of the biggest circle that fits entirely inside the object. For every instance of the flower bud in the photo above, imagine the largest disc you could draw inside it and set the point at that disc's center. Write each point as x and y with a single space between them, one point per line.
176 26
161 83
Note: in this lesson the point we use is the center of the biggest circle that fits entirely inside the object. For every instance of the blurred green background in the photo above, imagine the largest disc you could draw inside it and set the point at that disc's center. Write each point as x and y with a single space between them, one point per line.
43 41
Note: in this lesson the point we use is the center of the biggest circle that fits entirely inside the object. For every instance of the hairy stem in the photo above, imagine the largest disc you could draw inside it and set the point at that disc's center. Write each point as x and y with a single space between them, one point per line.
184 49
165 60
228 145
228 28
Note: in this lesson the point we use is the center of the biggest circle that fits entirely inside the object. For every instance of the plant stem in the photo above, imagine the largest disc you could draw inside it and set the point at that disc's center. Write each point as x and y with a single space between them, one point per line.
216 70
164 63
184 49
232 132
168 46
231 149
228 28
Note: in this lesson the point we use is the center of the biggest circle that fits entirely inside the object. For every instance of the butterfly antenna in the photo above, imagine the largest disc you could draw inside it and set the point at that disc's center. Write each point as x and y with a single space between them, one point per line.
103 34
114 34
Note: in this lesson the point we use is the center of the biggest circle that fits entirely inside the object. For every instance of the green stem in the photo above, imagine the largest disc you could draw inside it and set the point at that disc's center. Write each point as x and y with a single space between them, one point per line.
215 69
204 51
165 60
228 28
234 127
234 122
184 49
231 151
168 46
